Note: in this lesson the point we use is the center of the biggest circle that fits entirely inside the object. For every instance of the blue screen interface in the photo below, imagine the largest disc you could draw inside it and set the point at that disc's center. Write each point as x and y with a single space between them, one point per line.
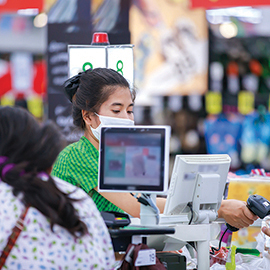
132 159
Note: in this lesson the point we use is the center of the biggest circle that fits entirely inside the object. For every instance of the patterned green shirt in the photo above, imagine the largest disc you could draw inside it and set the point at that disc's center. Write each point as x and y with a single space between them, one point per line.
78 165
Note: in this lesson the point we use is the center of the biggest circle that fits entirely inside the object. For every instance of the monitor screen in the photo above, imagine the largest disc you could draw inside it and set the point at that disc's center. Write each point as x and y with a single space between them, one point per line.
210 170
134 159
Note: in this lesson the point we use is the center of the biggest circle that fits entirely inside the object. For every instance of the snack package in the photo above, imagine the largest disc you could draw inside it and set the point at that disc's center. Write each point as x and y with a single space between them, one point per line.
219 257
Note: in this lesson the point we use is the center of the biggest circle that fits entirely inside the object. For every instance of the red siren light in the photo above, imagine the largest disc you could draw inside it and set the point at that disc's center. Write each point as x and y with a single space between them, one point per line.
100 38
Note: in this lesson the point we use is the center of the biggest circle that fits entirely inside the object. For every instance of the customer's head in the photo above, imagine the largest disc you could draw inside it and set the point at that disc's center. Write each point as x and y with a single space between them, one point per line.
100 91
27 152
24 141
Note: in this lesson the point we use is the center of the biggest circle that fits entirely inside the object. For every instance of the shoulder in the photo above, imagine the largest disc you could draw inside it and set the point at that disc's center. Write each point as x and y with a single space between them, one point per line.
78 164
75 192
4 188
41 244
78 151
8 200
84 202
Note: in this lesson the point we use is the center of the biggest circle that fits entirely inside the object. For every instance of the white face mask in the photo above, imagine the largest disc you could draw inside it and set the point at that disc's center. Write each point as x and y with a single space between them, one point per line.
112 121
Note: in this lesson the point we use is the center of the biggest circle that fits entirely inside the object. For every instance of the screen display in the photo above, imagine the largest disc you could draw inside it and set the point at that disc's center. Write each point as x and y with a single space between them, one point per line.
132 159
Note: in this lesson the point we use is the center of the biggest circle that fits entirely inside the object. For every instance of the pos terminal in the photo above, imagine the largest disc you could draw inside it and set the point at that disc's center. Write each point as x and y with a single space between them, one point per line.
136 160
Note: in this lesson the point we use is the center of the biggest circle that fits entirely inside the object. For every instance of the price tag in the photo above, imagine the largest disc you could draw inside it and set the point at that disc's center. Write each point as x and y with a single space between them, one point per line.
146 257
35 106
213 103
84 57
7 100
245 102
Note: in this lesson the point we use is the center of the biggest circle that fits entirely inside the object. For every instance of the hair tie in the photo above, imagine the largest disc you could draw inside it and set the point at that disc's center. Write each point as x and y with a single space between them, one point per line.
71 85
43 176
7 168
3 159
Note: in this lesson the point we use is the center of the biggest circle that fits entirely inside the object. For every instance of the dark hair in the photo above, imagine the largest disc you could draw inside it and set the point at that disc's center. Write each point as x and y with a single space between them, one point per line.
94 88
33 148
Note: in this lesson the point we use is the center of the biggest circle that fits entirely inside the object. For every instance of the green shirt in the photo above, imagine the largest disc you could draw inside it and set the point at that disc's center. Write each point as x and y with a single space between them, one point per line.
78 165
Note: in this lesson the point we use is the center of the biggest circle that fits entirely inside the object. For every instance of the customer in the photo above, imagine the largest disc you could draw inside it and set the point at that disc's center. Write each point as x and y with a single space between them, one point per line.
62 228
102 96
266 230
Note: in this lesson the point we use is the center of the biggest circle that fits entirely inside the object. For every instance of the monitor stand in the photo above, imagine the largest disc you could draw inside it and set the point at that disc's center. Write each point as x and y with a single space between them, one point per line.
148 215
173 219
202 233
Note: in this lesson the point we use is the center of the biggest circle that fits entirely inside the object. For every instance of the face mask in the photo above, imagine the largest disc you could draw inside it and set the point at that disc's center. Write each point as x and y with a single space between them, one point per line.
112 121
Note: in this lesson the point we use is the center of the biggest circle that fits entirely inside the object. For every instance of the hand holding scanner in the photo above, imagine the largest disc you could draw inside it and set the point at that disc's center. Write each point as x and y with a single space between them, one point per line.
258 205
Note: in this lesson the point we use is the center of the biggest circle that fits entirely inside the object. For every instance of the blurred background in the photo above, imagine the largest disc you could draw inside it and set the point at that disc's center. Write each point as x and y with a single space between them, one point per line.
201 66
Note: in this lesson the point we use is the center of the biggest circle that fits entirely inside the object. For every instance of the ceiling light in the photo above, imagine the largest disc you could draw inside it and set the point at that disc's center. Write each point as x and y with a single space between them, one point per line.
228 30
40 20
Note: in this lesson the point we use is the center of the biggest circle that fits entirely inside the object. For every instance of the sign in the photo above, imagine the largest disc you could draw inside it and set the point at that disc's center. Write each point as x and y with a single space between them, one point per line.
7 100
117 57
59 107
213 103
226 3
246 102
120 58
82 58
171 55
15 5
35 106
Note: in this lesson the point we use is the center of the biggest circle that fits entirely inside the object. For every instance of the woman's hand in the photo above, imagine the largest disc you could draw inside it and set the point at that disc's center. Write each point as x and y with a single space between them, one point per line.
266 230
236 213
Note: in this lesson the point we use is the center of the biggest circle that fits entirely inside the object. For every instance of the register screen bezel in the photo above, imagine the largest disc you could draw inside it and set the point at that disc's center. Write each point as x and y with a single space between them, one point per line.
143 133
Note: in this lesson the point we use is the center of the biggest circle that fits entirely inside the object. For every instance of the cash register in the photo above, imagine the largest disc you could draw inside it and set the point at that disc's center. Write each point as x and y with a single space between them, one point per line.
136 160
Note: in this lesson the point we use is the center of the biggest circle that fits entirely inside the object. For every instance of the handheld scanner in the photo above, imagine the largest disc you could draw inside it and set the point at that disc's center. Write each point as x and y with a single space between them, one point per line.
258 205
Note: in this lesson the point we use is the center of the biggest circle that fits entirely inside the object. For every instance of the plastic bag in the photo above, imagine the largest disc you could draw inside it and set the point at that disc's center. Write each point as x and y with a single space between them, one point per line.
251 262
246 262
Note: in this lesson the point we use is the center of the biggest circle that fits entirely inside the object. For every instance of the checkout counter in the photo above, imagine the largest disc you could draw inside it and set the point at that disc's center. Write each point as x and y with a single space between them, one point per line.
136 159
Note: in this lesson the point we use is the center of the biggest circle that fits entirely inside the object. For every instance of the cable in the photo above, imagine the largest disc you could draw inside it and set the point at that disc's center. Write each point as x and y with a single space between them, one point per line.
152 204
212 252
146 200
141 199
190 207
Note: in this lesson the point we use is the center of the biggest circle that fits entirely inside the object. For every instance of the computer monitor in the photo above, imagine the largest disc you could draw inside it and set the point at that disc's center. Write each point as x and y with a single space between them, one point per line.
199 180
134 159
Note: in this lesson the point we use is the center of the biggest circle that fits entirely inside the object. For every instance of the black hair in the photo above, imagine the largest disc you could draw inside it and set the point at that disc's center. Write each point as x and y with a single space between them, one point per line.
33 148
94 88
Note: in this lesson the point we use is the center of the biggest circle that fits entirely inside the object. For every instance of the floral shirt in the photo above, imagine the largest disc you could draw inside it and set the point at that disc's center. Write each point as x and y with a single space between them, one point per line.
37 247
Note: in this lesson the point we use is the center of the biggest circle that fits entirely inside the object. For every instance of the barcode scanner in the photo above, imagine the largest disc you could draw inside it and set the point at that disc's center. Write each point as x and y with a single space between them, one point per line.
258 205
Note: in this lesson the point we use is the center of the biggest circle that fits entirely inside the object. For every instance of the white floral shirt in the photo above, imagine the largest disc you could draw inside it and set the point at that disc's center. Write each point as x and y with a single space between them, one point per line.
37 247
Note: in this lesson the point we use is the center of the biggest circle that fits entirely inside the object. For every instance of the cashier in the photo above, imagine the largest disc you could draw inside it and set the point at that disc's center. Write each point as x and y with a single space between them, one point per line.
99 97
